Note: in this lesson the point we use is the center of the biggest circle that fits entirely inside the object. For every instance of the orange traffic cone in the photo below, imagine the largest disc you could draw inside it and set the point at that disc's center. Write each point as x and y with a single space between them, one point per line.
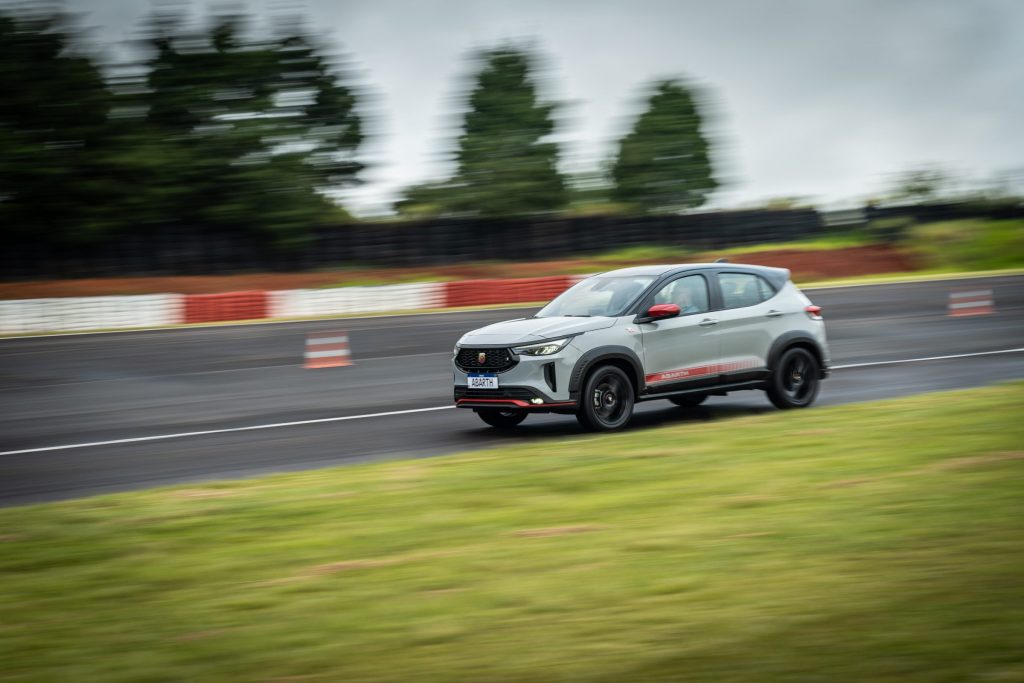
327 350
971 302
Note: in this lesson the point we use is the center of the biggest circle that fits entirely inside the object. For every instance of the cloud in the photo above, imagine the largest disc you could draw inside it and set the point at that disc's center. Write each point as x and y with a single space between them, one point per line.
821 98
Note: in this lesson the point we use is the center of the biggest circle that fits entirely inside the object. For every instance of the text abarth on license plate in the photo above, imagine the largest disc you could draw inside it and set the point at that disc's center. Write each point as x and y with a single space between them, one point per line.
483 381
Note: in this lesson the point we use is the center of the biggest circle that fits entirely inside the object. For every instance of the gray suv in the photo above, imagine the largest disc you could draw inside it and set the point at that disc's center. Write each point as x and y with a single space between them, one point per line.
679 332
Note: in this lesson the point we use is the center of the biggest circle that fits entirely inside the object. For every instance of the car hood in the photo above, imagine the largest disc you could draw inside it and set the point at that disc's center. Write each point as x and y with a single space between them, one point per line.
525 330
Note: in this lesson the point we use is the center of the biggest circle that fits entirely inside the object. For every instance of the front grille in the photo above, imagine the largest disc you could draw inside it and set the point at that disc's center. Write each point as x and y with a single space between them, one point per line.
495 360
518 393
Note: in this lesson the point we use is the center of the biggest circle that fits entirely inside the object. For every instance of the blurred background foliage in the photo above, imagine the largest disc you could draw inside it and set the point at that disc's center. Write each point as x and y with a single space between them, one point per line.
213 128
219 128
54 116
968 244
664 163
506 164
225 128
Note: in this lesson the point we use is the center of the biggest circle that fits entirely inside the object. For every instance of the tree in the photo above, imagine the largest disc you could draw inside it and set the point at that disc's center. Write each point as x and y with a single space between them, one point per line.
921 185
663 164
253 131
53 120
214 130
423 201
505 166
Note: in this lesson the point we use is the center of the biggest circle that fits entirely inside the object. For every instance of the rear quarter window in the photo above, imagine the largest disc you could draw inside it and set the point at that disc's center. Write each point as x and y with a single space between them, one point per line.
744 289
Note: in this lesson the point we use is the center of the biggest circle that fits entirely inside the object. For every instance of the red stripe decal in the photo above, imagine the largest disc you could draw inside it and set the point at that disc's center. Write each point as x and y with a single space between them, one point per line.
700 371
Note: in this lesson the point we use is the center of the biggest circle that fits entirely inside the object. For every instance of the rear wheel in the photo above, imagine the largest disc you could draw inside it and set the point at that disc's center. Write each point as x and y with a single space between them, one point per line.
502 419
606 402
796 379
688 400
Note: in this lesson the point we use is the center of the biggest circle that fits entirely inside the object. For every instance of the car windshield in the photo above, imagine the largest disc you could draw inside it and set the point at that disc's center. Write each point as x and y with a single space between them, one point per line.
601 295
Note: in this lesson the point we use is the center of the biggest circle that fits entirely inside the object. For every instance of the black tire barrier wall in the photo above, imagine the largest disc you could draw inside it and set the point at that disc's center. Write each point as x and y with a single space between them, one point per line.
179 250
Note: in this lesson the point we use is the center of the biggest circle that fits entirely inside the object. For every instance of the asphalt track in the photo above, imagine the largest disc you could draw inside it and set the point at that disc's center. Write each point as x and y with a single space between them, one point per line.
250 407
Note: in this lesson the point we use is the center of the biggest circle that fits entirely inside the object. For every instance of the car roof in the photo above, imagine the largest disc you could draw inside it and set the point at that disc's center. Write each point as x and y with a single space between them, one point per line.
664 269
777 276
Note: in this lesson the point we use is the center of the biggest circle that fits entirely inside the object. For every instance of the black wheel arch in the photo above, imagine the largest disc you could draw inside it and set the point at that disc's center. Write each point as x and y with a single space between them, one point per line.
620 356
801 339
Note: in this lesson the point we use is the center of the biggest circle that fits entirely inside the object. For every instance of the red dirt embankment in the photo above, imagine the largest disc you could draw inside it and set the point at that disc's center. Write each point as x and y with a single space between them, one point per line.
805 265
808 266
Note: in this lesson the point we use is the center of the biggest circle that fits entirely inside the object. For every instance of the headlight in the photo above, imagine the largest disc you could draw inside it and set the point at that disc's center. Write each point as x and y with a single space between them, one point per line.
542 349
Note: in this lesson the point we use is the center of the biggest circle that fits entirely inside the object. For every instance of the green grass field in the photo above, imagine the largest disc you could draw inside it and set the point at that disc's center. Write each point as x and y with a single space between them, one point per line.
969 244
876 542
667 253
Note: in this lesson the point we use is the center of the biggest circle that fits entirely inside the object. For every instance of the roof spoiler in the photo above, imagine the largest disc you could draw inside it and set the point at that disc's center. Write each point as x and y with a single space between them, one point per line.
777 276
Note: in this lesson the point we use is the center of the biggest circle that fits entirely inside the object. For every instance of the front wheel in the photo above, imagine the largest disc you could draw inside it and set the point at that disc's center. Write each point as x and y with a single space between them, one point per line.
796 379
606 402
502 419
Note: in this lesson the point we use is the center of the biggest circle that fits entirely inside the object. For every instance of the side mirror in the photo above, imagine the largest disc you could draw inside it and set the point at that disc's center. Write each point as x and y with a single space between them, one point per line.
662 311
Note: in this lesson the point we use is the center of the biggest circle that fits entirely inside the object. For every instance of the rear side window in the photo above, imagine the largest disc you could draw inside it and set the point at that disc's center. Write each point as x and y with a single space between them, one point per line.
743 289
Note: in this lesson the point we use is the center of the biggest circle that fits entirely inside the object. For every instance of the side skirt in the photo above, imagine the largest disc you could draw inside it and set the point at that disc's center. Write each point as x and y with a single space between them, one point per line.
717 390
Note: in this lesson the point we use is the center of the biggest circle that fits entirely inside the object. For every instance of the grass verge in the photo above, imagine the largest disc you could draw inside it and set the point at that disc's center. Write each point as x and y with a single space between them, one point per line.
969 244
870 542
926 275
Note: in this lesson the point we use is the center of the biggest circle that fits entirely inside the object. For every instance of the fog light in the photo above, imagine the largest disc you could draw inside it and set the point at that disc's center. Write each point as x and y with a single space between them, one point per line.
536 401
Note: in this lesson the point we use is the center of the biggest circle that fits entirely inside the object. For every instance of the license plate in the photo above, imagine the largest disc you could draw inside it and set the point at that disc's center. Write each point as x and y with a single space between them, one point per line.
483 381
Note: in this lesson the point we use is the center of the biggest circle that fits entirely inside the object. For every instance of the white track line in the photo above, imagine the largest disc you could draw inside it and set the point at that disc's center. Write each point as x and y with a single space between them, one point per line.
297 423
161 437
919 360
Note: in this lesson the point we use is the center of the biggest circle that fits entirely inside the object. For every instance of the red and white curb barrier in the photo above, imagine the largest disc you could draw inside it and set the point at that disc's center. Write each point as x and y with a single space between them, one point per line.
75 314
327 350
971 302
311 303
209 308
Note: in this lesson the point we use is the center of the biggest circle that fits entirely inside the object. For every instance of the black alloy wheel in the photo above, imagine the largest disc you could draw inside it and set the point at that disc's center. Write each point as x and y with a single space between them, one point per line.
688 400
796 379
502 419
606 402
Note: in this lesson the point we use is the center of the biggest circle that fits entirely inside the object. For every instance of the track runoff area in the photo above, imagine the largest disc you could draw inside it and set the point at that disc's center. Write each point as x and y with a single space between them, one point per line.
887 340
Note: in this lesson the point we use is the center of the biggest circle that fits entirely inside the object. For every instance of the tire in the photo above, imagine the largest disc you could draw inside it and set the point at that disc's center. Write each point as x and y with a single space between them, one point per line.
606 402
501 419
795 380
688 400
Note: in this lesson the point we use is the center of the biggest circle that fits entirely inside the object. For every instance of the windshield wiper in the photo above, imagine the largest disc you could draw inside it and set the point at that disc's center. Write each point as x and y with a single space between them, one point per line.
576 315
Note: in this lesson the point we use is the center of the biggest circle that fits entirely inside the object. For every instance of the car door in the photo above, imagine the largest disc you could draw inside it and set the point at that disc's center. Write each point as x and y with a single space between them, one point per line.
746 325
680 352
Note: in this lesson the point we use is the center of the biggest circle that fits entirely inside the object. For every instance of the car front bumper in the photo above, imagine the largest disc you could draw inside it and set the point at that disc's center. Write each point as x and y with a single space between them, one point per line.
534 383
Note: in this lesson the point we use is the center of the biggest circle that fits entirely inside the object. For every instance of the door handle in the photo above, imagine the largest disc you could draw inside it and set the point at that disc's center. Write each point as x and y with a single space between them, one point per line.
773 314
708 322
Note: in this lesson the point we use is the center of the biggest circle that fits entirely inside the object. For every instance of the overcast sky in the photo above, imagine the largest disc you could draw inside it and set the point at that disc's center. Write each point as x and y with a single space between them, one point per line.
819 98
